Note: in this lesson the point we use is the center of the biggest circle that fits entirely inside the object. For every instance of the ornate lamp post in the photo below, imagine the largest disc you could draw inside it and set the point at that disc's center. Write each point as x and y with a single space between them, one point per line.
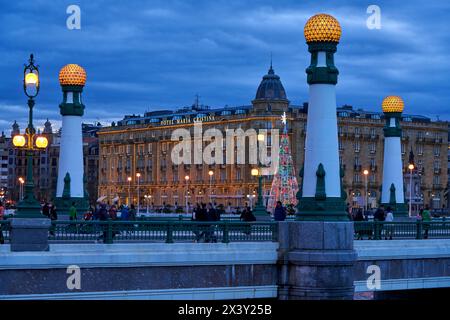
186 178
411 168
29 207
260 211
211 173
138 178
366 173
129 191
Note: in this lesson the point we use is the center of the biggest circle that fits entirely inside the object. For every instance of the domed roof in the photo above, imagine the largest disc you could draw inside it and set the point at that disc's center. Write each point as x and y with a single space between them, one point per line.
271 87
393 104
322 28
72 75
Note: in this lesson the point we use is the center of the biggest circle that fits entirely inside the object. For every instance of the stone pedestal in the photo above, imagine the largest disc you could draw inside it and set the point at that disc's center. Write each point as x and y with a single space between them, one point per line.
29 234
316 260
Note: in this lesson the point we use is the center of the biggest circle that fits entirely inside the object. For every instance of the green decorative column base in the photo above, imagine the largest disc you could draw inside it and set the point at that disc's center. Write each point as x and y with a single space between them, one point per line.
260 213
400 210
328 209
29 209
63 205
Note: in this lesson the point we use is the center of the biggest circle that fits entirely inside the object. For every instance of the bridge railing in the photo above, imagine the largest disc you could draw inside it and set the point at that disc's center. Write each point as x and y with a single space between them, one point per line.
162 231
378 230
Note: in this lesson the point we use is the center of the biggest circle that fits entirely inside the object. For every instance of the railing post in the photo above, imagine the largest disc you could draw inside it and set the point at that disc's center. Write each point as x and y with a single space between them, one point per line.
419 228
108 238
169 236
377 230
225 237
274 228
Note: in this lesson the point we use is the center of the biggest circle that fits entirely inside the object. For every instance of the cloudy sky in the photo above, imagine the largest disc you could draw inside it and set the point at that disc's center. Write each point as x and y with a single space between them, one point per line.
147 55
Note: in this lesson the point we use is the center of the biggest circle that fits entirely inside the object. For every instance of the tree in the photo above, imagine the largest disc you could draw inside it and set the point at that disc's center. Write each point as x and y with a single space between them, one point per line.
284 185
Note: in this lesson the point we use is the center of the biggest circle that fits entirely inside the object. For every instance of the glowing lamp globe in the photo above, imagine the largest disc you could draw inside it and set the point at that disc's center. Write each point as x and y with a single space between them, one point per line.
41 142
72 75
255 172
19 141
393 104
322 28
31 79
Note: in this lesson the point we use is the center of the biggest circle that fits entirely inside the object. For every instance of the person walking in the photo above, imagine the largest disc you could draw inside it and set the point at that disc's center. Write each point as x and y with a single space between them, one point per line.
212 216
426 219
379 218
389 228
73 212
53 217
46 210
2 217
280 212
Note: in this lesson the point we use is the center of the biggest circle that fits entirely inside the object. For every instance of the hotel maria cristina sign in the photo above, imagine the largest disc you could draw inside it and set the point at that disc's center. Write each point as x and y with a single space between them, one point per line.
187 120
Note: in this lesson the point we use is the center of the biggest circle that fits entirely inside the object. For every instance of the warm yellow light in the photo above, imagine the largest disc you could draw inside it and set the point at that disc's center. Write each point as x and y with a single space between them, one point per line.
138 175
366 172
211 172
19 141
260 137
21 180
31 78
129 179
411 167
41 142
186 178
255 172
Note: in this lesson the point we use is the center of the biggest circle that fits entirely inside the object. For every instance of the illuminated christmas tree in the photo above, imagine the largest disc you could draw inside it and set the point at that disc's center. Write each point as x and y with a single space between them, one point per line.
284 185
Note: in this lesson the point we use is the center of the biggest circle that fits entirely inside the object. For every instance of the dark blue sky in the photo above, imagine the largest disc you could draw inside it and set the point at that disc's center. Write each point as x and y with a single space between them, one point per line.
144 55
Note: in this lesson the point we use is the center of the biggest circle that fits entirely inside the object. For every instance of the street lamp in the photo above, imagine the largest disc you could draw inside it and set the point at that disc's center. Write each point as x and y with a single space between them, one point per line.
186 178
411 168
260 211
366 173
138 176
211 173
21 181
30 141
147 199
129 190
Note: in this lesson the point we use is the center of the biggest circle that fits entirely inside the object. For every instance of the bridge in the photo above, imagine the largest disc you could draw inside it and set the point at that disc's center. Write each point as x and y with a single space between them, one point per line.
171 260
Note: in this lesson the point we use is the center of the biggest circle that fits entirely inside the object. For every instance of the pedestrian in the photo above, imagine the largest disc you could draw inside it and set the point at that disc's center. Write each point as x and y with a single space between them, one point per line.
102 215
73 212
389 227
211 215
379 217
247 215
2 217
280 212
53 217
426 219
348 210
202 228
46 210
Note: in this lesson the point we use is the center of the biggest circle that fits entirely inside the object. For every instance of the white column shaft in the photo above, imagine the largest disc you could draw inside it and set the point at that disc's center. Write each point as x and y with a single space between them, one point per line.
322 141
71 157
392 170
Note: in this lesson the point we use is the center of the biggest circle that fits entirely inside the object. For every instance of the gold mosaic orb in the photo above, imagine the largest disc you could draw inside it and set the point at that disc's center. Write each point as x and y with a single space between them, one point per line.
322 28
72 75
393 104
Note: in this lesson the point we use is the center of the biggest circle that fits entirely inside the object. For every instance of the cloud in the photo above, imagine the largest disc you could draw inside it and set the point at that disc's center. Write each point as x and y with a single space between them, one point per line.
159 54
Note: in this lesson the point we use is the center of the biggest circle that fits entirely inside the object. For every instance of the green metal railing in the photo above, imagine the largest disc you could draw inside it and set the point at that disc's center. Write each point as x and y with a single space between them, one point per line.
5 228
162 231
377 230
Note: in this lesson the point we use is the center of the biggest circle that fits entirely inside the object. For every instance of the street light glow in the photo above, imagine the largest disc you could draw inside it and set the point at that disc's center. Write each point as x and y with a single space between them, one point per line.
19 141
41 142
255 172
366 172
211 173
129 179
31 79
186 178
411 167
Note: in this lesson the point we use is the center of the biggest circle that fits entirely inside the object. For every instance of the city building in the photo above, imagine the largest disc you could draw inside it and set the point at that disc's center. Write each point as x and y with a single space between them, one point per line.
4 142
45 163
142 145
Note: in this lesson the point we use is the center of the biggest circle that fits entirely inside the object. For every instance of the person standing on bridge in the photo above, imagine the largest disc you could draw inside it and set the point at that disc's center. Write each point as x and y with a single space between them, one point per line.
426 219
280 212
389 227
